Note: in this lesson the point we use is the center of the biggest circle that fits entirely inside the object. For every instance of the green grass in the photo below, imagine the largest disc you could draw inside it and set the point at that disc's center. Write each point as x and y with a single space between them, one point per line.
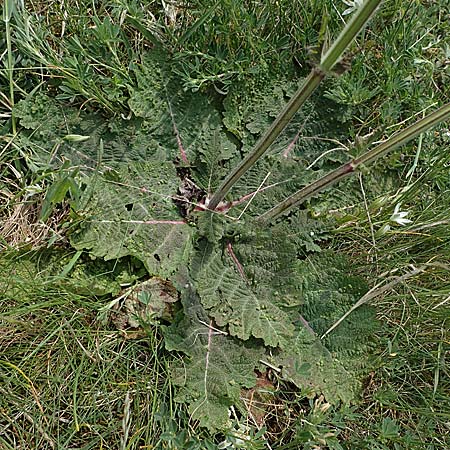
66 380
411 385
70 381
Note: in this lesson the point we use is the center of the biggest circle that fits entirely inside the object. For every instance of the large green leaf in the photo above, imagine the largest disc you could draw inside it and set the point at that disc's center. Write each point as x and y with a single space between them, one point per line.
107 142
333 366
249 112
314 369
217 366
230 299
166 123
302 298
187 123
250 296
307 147
330 290
130 212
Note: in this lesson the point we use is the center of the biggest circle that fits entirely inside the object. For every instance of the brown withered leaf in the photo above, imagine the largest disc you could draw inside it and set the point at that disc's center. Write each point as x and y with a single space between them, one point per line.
148 301
259 399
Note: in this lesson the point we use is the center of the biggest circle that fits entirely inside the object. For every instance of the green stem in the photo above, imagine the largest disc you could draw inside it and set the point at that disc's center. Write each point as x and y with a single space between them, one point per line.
347 169
353 27
309 85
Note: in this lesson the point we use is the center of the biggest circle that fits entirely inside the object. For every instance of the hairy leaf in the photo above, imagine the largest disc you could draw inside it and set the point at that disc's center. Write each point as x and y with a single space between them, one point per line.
41 114
249 294
187 123
148 97
263 273
217 366
267 183
144 303
330 290
332 367
335 364
307 233
228 297
111 142
248 114
168 124
309 145
314 369
130 212
268 259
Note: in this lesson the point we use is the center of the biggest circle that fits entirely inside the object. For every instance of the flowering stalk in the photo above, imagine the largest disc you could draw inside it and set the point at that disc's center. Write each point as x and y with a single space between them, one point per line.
343 171
317 74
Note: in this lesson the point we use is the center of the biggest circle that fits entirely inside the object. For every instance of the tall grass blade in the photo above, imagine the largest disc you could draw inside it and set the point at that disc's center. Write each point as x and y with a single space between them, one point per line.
8 9
198 23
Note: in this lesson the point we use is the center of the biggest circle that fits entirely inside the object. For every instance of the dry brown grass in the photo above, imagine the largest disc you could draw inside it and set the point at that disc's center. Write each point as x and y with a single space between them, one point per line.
21 226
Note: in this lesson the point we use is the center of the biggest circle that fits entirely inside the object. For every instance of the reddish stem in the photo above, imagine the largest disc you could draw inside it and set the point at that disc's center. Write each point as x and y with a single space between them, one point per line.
292 144
236 261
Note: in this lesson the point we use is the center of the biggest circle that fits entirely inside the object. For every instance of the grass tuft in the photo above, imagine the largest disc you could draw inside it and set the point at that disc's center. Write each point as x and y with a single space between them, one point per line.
69 382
